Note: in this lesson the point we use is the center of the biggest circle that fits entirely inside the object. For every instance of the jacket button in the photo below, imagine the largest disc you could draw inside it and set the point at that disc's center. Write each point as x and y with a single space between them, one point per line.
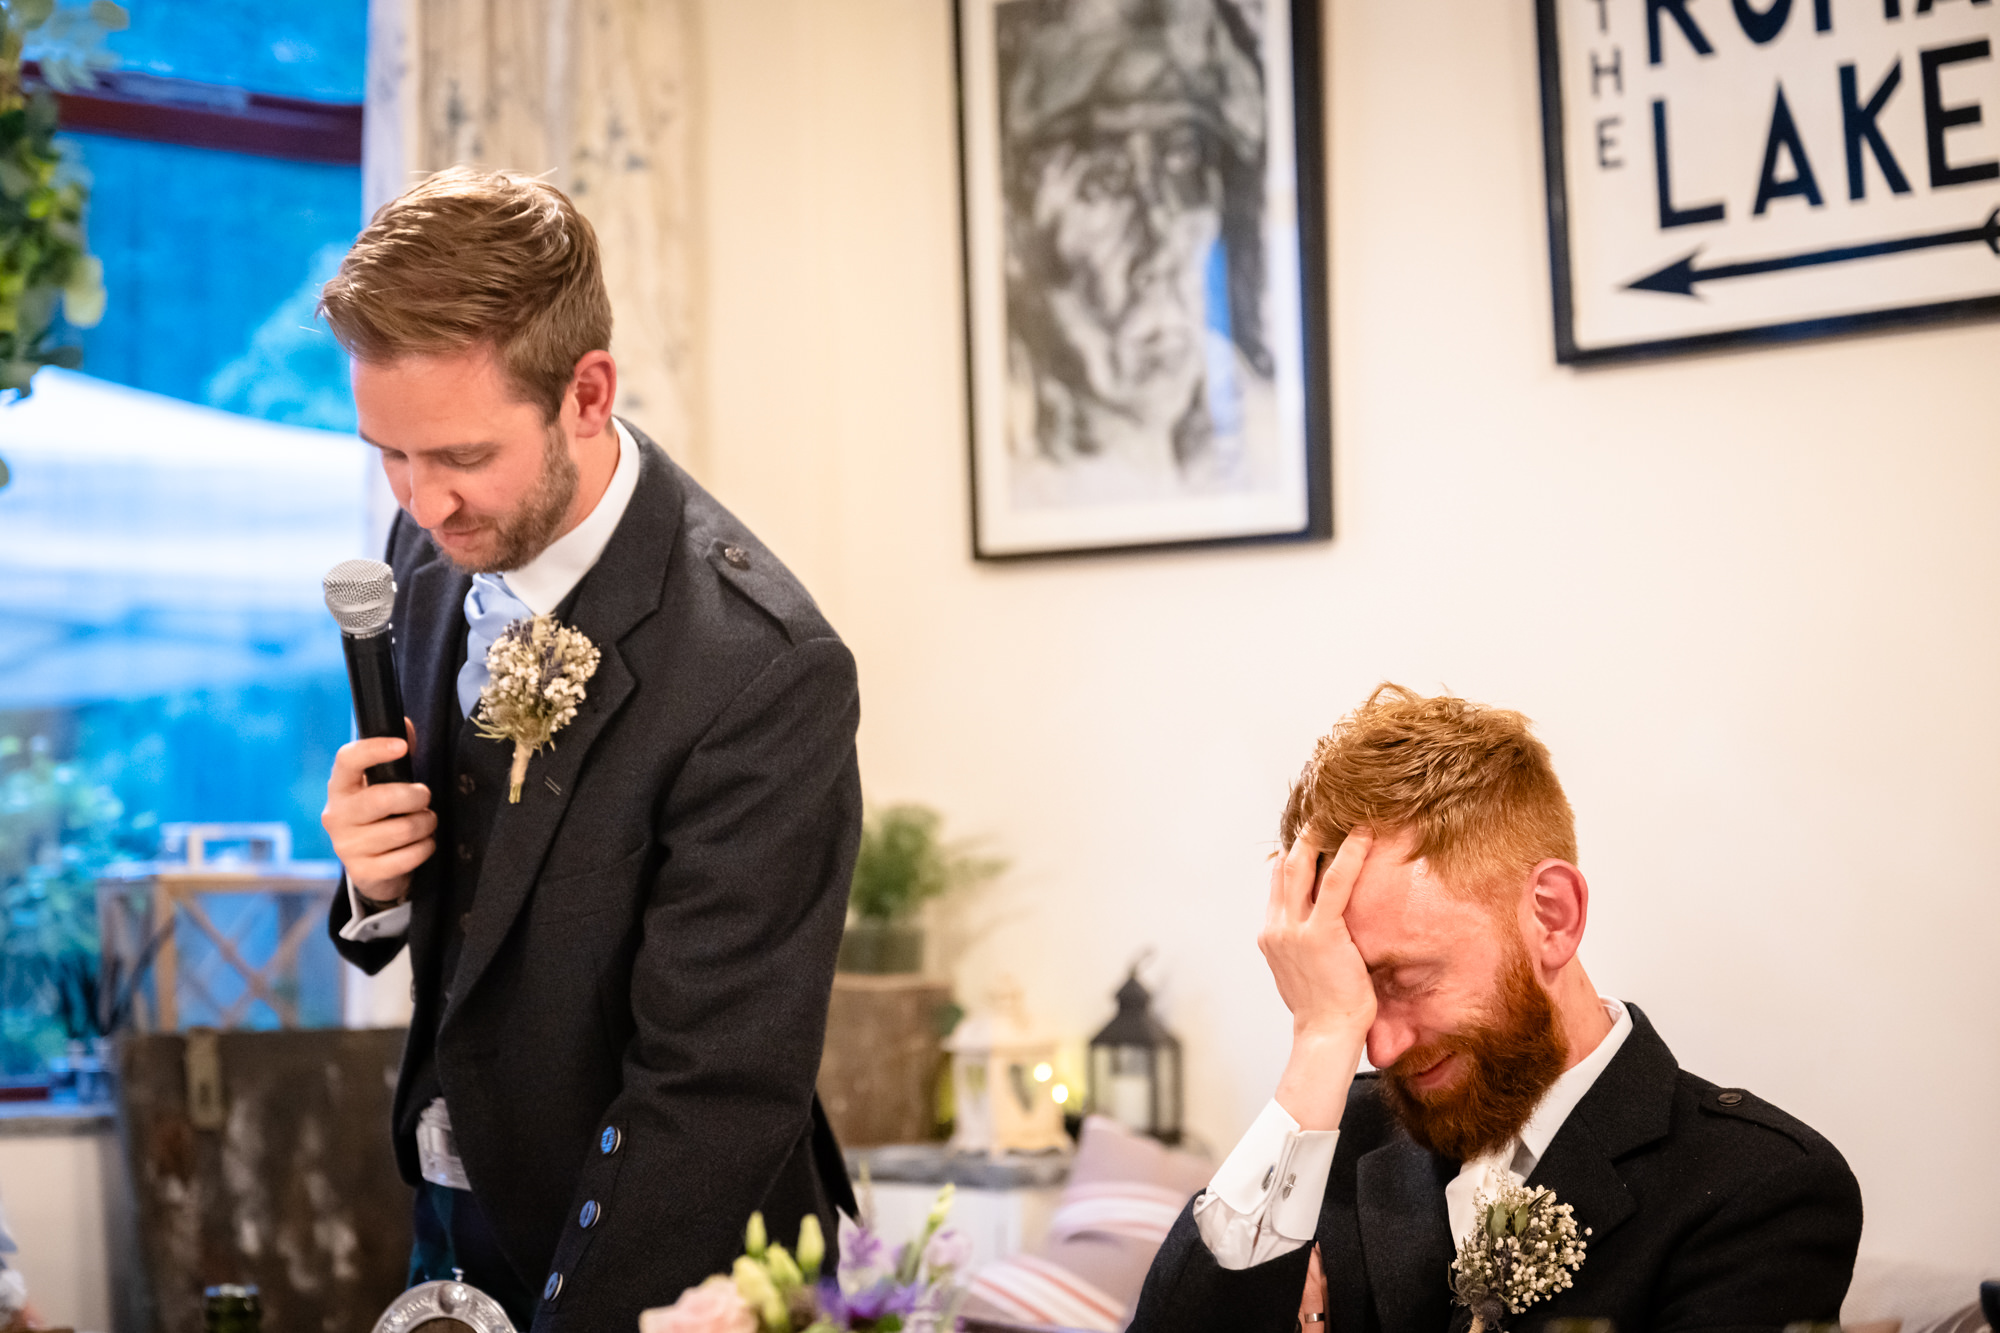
466 784
736 556
608 1141
1729 1098
465 853
588 1217
552 1286
464 921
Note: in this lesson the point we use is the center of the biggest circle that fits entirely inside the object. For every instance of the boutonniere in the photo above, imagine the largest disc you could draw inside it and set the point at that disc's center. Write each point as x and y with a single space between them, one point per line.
1522 1248
539 667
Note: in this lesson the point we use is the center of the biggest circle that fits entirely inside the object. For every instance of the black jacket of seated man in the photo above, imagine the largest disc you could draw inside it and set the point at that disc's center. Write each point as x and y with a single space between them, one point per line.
1708 1209
628 1029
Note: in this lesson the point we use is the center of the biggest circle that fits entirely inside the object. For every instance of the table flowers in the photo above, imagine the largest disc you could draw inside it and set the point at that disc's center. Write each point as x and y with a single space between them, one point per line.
912 1288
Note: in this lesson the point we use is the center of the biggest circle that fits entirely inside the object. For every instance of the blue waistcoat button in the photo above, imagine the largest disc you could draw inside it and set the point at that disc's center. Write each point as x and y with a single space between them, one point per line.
552 1286
608 1141
588 1217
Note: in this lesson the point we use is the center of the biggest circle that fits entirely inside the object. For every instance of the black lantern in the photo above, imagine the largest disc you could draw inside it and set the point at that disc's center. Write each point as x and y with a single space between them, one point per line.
1135 1067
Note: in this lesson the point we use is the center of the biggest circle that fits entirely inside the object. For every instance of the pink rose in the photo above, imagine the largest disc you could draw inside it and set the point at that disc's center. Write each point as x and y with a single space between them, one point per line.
713 1307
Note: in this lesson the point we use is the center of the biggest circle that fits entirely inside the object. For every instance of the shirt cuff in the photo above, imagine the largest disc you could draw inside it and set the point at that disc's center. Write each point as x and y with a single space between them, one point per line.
1279 1166
1265 1200
362 925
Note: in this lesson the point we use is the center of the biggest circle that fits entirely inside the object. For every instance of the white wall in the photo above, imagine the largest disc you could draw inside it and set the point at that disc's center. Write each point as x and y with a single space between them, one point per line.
55 1188
1751 599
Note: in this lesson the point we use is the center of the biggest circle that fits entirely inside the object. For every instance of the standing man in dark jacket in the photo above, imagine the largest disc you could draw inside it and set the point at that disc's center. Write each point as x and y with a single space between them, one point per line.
620 979
1427 910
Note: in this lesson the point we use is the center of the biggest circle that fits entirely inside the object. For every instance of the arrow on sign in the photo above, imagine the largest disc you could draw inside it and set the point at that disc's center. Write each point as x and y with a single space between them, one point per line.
1680 276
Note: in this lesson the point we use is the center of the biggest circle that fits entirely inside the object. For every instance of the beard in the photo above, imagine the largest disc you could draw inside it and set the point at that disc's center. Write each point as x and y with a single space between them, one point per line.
1510 1060
525 533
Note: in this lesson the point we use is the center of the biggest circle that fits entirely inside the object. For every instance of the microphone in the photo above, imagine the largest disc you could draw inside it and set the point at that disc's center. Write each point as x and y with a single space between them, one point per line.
361 594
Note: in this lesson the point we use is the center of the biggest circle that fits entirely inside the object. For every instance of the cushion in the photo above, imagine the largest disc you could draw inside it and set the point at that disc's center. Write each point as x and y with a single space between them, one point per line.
1124 1192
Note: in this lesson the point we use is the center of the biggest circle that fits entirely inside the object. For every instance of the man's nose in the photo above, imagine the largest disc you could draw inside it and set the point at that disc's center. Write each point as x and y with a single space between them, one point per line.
1388 1038
431 500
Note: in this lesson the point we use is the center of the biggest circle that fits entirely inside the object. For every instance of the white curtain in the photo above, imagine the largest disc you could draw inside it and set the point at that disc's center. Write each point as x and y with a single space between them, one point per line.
595 95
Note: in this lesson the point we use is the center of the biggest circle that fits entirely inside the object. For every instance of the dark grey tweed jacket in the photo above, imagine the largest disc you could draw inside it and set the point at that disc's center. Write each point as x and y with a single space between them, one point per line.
648 959
1708 1208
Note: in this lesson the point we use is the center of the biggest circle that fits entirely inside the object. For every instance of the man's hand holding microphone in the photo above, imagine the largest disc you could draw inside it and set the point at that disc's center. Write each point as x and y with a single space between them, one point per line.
378 816
381 831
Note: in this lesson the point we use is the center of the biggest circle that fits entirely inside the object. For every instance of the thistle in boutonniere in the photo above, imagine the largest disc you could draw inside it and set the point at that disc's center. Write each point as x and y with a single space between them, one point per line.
1522 1248
539 667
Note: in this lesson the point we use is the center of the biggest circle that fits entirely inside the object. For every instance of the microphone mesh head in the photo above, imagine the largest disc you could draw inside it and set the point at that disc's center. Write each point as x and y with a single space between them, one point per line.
361 594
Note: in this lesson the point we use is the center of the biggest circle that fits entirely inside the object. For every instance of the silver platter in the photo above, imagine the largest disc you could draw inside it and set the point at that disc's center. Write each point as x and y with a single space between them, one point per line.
460 1301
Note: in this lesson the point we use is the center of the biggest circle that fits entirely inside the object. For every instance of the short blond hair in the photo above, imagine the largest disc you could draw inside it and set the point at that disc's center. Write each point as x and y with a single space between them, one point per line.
1472 785
474 258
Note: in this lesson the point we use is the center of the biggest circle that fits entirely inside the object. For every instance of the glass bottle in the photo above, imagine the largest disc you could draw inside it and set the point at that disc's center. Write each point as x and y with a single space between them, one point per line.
231 1309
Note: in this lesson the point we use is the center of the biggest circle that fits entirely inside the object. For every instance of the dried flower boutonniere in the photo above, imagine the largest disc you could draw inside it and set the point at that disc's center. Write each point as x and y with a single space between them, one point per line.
539 666
1522 1248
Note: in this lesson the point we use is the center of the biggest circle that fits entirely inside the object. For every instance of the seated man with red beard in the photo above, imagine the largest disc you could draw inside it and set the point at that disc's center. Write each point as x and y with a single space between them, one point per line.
1428 909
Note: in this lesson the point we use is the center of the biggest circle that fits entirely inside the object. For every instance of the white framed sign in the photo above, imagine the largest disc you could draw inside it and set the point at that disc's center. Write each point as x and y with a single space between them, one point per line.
1733 171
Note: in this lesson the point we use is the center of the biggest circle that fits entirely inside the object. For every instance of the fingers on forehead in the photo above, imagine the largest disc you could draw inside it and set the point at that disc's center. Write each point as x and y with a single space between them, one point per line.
1305 851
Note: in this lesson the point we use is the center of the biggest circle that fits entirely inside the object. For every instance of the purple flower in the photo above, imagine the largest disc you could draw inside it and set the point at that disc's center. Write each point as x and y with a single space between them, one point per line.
869 1304
865 1258
950 1249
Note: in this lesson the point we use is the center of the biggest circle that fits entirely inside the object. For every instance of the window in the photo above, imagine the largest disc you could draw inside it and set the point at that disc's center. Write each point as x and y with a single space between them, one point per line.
164 654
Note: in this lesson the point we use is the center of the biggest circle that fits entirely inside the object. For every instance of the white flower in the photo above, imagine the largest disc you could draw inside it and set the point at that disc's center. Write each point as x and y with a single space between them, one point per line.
1522 1249
539 667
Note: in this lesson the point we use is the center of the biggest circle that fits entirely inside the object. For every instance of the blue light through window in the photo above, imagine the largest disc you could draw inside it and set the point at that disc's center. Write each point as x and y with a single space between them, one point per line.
164 655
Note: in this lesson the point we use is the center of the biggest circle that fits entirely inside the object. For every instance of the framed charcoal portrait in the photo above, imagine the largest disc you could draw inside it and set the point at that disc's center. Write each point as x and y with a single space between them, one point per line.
1145 242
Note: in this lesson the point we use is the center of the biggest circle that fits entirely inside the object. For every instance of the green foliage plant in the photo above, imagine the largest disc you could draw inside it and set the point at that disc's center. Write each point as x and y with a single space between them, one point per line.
59 825
44 259
903 864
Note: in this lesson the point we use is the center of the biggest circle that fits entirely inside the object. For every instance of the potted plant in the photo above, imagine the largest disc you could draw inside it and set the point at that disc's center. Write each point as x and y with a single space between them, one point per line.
42 194
902 865
43 258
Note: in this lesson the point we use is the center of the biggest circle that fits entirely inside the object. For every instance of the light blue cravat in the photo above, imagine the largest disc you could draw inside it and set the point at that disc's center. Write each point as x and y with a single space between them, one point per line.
490 607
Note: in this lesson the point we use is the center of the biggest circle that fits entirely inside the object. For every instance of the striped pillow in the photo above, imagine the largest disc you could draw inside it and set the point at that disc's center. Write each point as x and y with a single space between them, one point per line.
1031 1289
1117 1208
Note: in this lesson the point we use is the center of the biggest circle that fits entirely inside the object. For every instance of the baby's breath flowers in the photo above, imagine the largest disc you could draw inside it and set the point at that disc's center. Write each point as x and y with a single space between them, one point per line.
539 667
1522 1249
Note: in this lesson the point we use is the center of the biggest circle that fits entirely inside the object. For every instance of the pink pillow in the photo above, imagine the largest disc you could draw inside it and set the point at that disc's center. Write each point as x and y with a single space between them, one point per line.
1124 1192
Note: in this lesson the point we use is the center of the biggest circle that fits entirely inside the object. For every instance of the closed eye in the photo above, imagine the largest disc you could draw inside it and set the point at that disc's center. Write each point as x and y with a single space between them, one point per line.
1401 981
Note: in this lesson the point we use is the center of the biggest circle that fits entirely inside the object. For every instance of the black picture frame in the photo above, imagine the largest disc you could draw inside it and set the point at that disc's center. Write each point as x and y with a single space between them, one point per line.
1073 529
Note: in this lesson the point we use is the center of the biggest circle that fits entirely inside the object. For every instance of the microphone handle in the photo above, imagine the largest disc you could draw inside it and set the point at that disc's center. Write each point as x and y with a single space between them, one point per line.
378 700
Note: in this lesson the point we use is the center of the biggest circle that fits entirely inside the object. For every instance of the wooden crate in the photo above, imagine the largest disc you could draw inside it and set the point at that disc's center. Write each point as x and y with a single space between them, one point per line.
148 913
295 1187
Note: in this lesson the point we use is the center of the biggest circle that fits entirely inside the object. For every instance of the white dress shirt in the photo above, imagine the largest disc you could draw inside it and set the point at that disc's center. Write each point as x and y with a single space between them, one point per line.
1265 1200
542 584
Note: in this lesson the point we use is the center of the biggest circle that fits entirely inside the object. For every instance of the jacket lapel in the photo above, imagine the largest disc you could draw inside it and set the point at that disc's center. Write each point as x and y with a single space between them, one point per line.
1630 1106
436 598
621 589
1405 1233
1406 1236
